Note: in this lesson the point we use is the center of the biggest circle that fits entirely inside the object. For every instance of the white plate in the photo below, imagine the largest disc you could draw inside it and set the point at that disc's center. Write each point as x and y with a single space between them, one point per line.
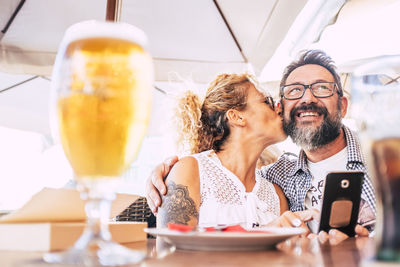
212 241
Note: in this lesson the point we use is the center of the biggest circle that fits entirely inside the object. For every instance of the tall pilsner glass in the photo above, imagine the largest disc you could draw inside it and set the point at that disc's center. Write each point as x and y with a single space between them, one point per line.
101 85
376 106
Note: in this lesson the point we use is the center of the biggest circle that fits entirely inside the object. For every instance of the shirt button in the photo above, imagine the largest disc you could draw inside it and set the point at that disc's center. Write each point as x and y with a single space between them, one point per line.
351 165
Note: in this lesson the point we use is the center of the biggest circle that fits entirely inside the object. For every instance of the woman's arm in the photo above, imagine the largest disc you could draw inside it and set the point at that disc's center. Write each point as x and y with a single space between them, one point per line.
282 199
181 203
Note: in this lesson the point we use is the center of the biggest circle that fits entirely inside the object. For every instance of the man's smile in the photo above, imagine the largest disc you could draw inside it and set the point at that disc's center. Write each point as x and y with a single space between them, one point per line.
307 114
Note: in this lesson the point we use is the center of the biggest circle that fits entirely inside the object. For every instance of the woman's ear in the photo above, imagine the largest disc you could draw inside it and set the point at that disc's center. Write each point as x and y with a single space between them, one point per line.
235 117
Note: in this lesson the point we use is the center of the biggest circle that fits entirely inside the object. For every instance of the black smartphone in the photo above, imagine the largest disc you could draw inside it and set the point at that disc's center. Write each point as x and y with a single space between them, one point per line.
341 201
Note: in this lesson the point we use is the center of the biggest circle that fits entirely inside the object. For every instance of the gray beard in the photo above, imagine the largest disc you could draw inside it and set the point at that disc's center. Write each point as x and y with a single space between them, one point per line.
311 137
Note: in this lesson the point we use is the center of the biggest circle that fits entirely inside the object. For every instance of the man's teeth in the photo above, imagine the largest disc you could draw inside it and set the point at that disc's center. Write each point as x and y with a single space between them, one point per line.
305 114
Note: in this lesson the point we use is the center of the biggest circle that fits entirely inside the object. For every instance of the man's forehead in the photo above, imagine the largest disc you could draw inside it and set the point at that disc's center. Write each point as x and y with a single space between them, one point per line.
309 73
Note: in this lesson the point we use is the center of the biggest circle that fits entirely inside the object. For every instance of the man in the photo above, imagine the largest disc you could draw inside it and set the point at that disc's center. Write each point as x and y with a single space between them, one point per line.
312 118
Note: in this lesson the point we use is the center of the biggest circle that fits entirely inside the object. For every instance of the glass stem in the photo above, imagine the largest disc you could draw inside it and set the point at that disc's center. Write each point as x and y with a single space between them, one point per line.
97 212
98 199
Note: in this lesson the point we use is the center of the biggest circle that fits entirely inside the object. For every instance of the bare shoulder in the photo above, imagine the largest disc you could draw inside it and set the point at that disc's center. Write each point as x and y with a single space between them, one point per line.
181 203
185 171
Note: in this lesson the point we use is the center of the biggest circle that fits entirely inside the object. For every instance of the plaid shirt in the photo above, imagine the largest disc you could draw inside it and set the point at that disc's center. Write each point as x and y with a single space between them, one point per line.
291 173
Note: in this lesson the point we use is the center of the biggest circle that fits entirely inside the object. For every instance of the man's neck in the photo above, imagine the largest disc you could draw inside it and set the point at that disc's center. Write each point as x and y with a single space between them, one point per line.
328 150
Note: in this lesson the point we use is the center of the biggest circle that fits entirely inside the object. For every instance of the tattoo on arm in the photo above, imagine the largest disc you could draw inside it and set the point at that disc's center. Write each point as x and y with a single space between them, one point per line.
177 206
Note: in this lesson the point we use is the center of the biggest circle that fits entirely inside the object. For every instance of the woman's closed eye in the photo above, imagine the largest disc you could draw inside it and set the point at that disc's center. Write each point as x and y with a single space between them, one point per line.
270 102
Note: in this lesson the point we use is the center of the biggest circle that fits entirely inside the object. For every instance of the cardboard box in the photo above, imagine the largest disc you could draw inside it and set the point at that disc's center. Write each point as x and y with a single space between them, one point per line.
55 218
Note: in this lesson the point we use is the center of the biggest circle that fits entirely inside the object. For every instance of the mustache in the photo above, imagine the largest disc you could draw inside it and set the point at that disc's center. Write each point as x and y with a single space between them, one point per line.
309 107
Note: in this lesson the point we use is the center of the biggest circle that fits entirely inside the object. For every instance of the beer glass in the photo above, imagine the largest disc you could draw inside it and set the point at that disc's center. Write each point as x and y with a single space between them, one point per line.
101 97
376 107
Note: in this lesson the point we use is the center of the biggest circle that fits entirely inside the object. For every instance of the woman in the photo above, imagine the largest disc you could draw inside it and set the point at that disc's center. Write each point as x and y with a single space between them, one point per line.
218 183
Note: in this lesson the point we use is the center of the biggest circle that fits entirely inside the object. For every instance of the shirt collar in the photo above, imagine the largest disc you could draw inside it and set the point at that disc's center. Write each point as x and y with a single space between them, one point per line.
301 164
353 146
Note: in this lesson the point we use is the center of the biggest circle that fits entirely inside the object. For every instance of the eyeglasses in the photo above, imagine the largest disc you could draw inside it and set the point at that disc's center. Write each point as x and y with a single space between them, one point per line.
270 102
318 89
267 100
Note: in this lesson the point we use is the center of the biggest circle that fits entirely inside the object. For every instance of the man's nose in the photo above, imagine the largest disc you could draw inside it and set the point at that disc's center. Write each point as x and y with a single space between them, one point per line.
308 96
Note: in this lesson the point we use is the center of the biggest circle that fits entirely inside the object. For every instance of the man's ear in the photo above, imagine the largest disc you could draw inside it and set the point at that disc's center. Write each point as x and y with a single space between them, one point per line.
235 117
345 103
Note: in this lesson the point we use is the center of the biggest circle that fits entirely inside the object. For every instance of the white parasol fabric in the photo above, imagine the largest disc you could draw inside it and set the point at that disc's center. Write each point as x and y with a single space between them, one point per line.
193 39
196 38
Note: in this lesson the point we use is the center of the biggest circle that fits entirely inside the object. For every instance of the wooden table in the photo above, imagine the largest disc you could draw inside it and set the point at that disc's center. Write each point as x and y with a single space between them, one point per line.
295 252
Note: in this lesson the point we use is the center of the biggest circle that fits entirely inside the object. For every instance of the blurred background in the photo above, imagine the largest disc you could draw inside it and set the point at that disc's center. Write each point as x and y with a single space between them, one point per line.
191 42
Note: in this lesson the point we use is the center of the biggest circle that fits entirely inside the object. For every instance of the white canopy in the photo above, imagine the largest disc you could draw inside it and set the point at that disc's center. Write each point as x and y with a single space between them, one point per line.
196 39
364 29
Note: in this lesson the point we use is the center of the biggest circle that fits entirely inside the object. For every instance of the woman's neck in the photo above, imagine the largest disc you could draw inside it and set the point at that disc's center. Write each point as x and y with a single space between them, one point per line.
240 157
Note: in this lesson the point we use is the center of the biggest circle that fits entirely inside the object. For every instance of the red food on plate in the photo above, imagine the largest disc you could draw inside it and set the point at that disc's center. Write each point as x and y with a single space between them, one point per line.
231 228
234 228
239 228
180 227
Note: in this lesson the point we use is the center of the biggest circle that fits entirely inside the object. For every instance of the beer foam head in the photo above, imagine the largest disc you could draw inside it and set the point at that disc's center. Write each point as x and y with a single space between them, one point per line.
115 30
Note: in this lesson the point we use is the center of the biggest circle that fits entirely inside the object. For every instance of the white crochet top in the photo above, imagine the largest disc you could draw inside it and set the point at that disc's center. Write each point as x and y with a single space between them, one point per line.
224 199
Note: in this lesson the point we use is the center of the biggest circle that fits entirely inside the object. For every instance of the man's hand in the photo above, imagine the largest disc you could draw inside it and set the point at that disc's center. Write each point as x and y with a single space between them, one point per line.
155 186
361 231
336 237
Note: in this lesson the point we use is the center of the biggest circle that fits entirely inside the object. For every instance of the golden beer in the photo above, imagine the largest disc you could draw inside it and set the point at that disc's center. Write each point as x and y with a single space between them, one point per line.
104 109
100 107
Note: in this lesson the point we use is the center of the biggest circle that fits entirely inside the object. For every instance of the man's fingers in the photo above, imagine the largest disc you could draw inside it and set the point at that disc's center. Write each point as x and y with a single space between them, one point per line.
361 231
157 177
160 172
155 200
336 237
171 161
323 237
155 183
152 197
155 186
152 207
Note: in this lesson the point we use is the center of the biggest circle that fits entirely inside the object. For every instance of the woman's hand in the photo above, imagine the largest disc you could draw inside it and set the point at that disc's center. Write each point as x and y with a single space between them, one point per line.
295 219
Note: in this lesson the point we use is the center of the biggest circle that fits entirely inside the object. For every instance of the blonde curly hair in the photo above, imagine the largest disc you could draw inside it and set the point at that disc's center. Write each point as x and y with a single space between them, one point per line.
203 125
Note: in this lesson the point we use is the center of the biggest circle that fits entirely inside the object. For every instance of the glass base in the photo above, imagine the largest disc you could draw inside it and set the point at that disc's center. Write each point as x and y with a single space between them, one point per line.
104 253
